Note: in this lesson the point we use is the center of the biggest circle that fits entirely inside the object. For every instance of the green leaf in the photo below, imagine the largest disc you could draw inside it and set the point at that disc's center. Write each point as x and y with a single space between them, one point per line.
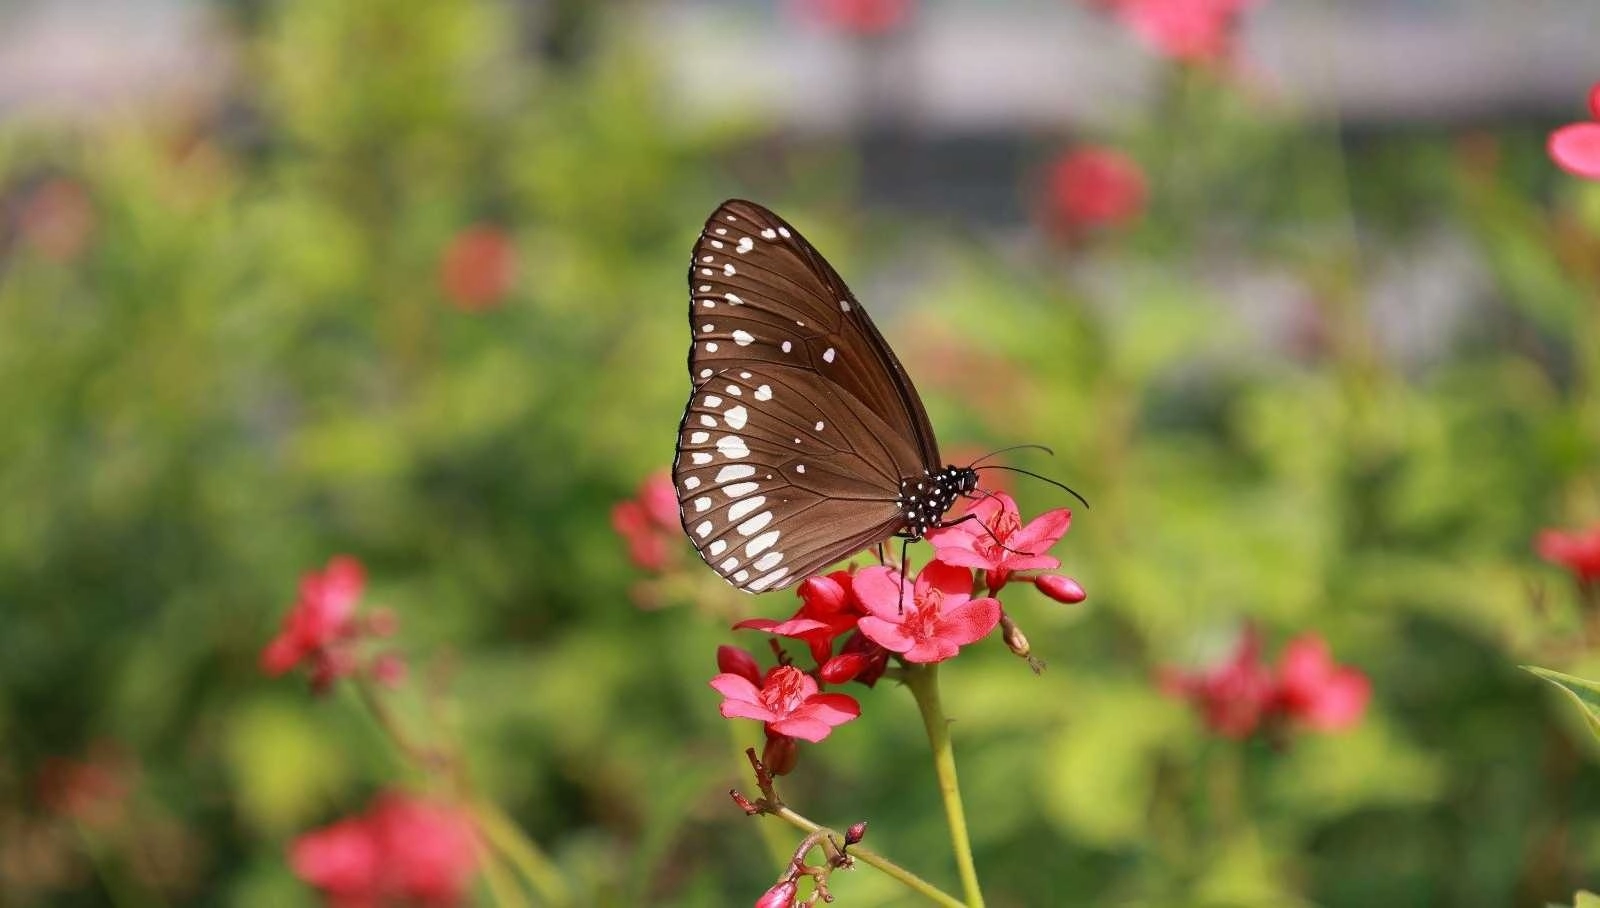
1584 693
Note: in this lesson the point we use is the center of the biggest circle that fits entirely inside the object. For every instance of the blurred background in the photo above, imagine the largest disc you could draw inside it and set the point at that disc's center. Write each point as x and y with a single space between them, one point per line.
1293 291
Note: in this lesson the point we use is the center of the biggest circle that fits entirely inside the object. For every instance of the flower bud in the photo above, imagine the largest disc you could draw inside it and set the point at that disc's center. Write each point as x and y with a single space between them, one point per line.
855 833
780 755
1060 588
781 895
843 667
825 594
736 661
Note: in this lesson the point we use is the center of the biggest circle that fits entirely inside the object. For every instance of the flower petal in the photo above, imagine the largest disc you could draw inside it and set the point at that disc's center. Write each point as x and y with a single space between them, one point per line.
735 687
970 622
885 633
879 591
1576 147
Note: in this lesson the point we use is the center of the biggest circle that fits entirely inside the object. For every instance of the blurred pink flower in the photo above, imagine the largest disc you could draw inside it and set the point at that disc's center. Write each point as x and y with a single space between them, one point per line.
404 850
927 620
1094 186
1577 551
788 701
321 621
855 17
93 789
1315 691
648 522
478 268
1195 31
1241 695
1576 146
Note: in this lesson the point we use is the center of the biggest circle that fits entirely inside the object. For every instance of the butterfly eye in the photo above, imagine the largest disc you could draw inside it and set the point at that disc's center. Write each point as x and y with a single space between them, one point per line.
803 441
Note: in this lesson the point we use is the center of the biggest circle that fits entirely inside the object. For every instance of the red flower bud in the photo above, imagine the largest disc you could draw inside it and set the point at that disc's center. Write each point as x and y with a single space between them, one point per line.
780 755
843 667
781 895
1060 588
735 661
855 833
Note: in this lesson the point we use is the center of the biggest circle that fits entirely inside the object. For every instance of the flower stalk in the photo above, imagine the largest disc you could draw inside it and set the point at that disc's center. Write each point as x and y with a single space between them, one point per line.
923 680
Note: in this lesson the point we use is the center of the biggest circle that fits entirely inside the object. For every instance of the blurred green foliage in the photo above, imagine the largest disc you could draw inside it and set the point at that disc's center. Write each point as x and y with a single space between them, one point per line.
249 366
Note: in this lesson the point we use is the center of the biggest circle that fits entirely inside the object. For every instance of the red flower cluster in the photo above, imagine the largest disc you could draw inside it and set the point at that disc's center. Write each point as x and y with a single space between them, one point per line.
322 628
1094 187
1576 146
1191 31
1578 552
478 268
649 523
1244 694
853 622
404 850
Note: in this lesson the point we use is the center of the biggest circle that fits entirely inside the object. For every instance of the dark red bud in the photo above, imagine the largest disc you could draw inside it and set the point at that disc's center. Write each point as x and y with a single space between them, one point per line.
735 661
843 667
855 833
745 804
780 755
822 596
1059 588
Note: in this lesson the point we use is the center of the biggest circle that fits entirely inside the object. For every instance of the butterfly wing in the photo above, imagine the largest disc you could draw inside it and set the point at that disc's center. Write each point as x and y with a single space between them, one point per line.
802 422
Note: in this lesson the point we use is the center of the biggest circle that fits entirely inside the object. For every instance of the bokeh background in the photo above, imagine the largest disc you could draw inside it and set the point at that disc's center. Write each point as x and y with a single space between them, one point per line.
403 279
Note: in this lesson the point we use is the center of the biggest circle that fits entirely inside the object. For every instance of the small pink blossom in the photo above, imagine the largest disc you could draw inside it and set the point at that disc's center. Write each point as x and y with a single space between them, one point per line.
1577 551
1193 31
1094 187
788 701
404 850
996 540
928 620
855 17
1315 691
1233 697
1576 146
648 522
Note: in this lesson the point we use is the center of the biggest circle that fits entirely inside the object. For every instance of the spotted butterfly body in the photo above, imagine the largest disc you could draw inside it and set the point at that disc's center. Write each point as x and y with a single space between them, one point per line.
803 441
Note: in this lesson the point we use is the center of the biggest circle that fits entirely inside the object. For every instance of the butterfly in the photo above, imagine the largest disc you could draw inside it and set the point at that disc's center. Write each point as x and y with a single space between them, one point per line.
804 440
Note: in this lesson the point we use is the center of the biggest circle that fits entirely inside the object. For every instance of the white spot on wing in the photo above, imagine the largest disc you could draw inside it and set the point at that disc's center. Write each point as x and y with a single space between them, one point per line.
800 468
745 245
700 458
735 390
754 525
739 489
718 546
761 583
702 504
705 373
699 438
732 447
716 244
763 392
705 288
730 564
844 305
761 543
819 426
767 234
704 529
787 346
735 471
709 422
722 231
691 483
741 577
733 299
741 509
735 417
768 561
712 400
743 338
783 232
827 355
727 269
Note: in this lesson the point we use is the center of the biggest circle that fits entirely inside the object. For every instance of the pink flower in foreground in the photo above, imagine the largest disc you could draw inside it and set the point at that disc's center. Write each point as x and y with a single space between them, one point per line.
1094 187
788 701
403 851
928 620
322 618
478 268
1315 691
1194 31
997 542
1576 146
1578 551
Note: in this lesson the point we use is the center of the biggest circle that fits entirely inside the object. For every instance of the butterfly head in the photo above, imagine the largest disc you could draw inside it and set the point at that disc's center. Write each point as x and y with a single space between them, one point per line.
924 500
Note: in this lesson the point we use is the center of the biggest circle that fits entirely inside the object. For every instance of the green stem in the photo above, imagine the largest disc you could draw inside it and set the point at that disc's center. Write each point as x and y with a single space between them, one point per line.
924 683
877 861
508 839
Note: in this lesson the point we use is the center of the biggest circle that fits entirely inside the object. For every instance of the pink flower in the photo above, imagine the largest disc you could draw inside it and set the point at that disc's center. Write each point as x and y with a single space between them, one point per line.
856 17
321 624
1093 187
996 541
1195 31
788 701
648 522
1578 551
404 850
478 268
1576 146
1316 692
932 620
828 609
1233 697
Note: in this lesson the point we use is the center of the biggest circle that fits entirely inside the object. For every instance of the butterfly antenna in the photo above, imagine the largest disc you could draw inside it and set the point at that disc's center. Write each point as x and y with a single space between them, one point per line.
1010 449
1059 485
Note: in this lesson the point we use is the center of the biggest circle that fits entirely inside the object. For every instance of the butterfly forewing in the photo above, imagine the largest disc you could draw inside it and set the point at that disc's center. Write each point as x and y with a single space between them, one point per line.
802 424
